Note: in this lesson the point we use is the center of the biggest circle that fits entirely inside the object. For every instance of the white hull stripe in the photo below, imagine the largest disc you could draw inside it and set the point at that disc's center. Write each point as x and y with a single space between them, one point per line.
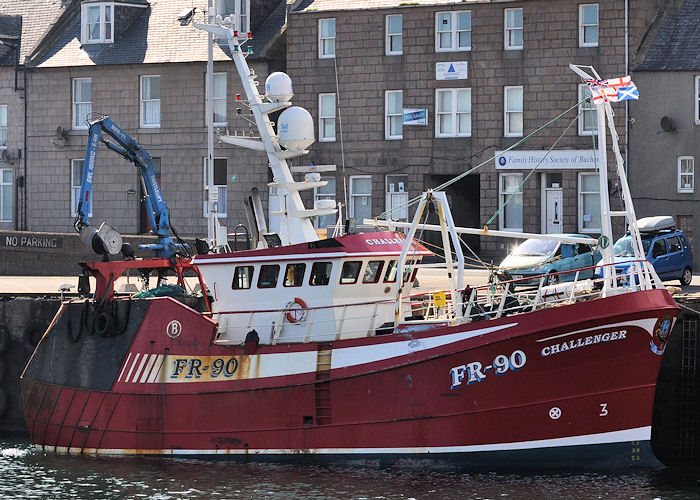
636 434
334 255
126 363
646 324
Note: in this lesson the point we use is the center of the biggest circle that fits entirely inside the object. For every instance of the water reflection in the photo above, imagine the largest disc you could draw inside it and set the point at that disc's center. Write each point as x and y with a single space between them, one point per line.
30 474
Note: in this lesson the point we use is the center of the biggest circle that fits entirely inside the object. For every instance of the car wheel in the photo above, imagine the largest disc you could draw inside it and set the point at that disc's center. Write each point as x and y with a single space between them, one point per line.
686 277
552 279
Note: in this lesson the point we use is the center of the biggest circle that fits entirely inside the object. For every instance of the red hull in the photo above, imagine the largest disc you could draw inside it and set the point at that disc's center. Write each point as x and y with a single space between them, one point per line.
575 379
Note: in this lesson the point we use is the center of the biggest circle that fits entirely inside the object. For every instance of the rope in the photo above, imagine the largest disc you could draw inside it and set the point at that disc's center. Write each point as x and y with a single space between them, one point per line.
342 144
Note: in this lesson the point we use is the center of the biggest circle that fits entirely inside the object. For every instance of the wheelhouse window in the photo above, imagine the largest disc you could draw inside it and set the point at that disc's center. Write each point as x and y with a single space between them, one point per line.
97 23
326 117
326 38
269 274
513 29
350 272
588 117
511 215
513 111
320 273
588 25
394 34
373 271
150 101
3 126
242 277
6 195
219 187
82 102
686 174
294 274
453 31
588 203
453 109
393 113
390 275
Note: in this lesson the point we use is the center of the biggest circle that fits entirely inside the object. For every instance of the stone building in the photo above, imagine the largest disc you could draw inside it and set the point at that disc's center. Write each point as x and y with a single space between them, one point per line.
665 126
143 64
409 94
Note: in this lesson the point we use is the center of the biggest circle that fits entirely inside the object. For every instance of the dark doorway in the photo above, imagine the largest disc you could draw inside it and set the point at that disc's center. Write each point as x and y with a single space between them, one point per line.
464 199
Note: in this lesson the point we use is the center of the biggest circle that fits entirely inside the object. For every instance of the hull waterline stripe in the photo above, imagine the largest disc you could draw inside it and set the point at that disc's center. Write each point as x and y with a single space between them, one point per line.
635 434
126 363
646 324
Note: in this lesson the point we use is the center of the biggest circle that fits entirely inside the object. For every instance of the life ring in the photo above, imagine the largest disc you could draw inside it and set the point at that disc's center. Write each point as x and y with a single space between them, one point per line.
296 310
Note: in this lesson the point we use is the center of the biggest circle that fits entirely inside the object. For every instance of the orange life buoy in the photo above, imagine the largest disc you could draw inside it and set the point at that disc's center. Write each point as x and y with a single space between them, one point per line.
296 310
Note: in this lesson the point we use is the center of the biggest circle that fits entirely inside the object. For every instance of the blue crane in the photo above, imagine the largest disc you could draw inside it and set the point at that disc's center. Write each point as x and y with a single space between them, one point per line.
107 239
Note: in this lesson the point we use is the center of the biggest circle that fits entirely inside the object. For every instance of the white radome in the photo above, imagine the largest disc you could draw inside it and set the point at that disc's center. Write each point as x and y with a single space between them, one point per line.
278 87
295 129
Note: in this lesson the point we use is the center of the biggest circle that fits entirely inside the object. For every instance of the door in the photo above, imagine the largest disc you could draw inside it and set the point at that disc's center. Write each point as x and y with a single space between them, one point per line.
553 207
660 258
397 197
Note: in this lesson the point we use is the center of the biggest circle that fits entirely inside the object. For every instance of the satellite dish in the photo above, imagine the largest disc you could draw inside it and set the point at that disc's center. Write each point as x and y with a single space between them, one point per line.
667 124
61 133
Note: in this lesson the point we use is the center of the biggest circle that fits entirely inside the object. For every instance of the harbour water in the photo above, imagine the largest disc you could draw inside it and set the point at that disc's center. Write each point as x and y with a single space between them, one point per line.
26 473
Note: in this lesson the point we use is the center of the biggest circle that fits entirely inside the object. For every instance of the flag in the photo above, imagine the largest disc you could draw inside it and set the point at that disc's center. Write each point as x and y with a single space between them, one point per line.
627 93
614 89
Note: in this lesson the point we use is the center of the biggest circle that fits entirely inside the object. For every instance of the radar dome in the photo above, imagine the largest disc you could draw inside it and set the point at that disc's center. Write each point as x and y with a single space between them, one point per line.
295 129
278 87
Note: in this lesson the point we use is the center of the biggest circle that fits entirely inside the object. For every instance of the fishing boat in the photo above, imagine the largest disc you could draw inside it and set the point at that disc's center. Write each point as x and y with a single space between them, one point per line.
313 350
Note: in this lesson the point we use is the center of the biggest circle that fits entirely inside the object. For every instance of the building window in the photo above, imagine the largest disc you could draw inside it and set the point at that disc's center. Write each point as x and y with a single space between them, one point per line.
397 197
218 102
150 101
394 35
393 114
326 38
697 100
511 215
588 203
76 175
326 192
453 113
453 31
326 117
588 116
220 182
82 102
514 29
239 9
97 23
360 197
6 195
588 25
686 174
513 111
3 126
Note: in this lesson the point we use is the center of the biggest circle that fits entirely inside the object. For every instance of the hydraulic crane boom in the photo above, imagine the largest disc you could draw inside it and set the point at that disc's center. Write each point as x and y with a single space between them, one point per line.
107 240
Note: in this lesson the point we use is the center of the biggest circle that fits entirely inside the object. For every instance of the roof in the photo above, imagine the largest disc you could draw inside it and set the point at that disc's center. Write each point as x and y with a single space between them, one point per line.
32 19
677 43
310 6
155 36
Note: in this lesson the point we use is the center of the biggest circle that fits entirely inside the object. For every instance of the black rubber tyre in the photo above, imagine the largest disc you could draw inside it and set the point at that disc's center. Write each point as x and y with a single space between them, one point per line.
5 338
104 324
686 277
32 335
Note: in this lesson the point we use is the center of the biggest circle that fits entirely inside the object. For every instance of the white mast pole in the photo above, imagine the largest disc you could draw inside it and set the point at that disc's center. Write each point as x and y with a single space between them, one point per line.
211 195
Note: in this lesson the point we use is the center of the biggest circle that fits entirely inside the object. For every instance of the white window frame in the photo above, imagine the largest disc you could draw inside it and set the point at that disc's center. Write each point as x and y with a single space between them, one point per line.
581 193
327 116
322 54
391 36
241 13
388 116
3 126
689 160
5 217
75 186
507 30
324 196
583 92
354 196
79 117
454 113
697 99
85 38
454 32
143 102
582 27
503 196
219 100
220 214
507 112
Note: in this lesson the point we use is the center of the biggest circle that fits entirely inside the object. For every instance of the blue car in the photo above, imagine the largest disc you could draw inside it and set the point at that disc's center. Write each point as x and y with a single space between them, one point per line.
667 250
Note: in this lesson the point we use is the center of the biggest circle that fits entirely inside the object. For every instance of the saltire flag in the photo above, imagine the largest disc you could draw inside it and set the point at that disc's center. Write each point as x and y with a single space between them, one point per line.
614 89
